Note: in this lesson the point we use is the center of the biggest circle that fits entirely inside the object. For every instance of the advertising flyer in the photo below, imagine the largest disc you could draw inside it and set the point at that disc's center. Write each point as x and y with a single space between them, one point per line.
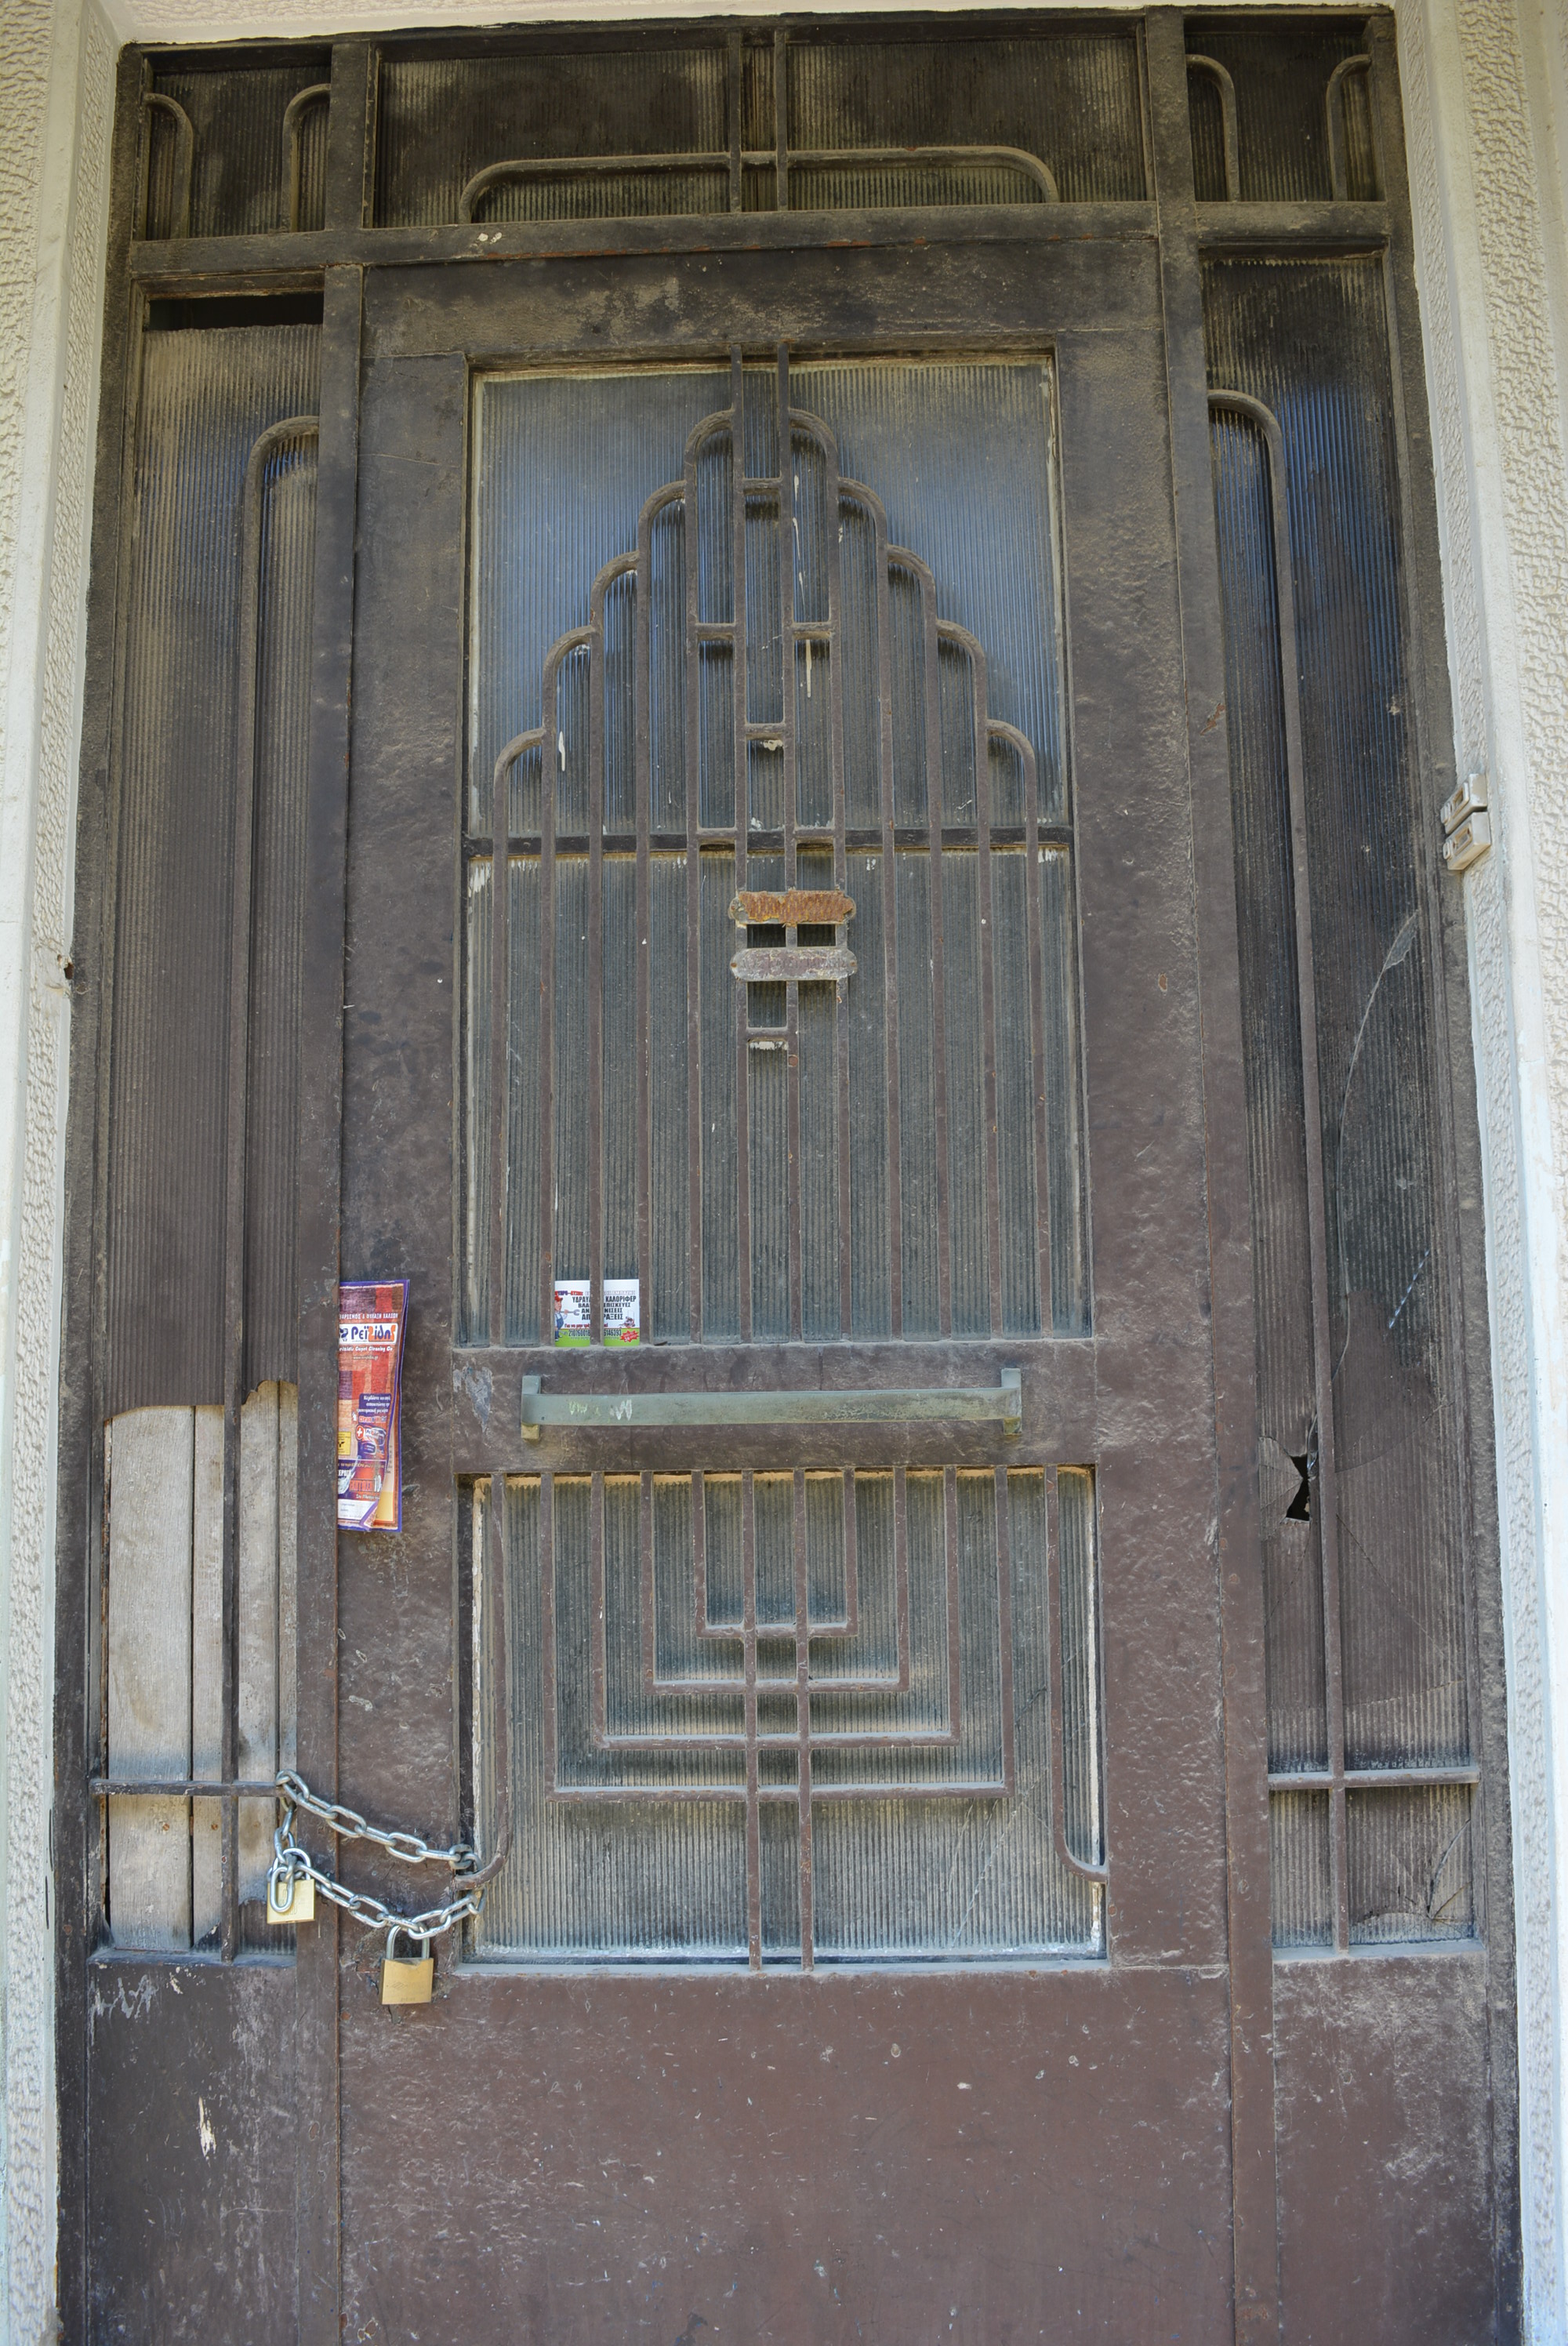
371 1319
575 1311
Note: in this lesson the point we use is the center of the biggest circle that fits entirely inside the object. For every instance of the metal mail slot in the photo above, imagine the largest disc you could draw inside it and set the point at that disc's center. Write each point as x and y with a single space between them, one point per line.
945 1404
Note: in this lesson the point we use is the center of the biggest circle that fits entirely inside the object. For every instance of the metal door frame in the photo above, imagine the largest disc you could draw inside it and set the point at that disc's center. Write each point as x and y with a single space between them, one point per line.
337 259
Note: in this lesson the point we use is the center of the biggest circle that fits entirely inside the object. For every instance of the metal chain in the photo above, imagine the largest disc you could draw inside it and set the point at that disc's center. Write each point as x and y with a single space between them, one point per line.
292 1862
349 1825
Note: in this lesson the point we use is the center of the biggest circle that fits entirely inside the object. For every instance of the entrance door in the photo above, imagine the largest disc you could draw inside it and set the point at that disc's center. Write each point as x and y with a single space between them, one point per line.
811 803
813 661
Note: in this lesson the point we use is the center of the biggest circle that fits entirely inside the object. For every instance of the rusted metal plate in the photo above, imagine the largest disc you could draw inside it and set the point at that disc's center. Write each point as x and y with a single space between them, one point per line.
789 908
792 964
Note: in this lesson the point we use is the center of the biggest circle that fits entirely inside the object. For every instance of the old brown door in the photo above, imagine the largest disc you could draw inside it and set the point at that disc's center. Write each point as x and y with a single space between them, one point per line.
825 776
862 1936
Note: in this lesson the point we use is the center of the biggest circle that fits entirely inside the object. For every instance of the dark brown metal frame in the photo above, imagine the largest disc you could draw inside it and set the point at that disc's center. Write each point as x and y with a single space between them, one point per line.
335 258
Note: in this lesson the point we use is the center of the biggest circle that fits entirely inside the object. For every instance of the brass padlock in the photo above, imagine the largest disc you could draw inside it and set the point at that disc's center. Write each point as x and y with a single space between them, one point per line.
298 1904
407 1979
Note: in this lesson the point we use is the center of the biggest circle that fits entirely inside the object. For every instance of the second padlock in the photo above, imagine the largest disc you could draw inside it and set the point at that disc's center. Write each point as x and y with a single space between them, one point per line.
407 1979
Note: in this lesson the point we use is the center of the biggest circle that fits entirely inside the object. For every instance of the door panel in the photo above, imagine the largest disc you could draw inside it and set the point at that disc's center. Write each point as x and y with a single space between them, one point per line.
1039 2158
938 1834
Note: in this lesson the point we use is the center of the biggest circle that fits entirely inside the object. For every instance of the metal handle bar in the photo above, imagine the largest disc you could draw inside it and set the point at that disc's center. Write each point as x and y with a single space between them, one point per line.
944 1403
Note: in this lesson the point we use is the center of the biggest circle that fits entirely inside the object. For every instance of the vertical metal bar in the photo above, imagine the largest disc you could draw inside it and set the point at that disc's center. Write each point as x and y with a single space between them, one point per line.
1254 2235
500 1033
748 1669
1005 1624
351 134
699 1550
892 1089
983 816
318 2169
901 1574
841 874
1089 1869
267 445
648 1593
1229 144
954 1649
1034 916
934 811
737 118
1334 123
498 1648
549 768
691 711
1239 403
781 120
851 1558
796 1237
596 965
547 1623
599 1661
803 1719
742 811
641 821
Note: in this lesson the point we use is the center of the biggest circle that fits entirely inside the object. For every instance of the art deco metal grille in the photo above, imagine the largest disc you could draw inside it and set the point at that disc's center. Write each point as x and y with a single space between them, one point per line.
776 1014
855 1114
779 1715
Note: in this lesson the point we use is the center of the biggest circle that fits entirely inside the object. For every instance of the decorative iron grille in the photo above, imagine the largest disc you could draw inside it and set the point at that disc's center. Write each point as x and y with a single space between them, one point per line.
765 721
823 1667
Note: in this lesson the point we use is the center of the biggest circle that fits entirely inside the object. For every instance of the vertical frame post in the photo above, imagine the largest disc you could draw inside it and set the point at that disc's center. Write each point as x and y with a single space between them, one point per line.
321 1173
1254 2234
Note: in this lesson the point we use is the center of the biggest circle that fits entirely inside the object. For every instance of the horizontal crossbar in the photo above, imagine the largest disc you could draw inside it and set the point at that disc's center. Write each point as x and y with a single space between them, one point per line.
892 1406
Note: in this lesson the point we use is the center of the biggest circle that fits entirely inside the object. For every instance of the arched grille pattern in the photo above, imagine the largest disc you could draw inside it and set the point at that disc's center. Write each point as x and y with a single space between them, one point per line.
774 1014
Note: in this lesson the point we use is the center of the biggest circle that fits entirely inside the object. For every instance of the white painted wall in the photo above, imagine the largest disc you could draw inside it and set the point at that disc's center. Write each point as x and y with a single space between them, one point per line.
56 64
1486 97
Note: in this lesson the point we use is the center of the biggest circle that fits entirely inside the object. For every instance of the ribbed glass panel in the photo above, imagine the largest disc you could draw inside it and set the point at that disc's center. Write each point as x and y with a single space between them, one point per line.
1069 99
278 897
239 185
443 119
1299 1868
1309 339
962 456
205 397
1281 73
1276 1126
931 1833
1409 1864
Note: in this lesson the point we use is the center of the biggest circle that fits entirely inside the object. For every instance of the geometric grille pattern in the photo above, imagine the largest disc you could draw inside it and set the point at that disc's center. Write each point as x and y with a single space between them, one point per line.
825 1666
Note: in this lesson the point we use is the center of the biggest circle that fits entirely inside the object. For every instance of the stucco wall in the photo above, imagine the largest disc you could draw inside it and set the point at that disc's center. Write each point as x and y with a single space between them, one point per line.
1486 86
55 77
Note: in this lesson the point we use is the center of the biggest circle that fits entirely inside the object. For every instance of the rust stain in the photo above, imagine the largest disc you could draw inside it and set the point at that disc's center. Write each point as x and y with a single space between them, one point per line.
818 908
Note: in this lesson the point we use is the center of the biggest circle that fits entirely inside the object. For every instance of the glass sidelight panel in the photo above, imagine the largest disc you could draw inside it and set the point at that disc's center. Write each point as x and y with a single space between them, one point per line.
1361 1435
785 1001
807 1716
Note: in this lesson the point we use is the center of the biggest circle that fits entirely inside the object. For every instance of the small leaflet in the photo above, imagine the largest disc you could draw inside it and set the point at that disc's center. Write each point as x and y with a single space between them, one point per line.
372 1321
574 1312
